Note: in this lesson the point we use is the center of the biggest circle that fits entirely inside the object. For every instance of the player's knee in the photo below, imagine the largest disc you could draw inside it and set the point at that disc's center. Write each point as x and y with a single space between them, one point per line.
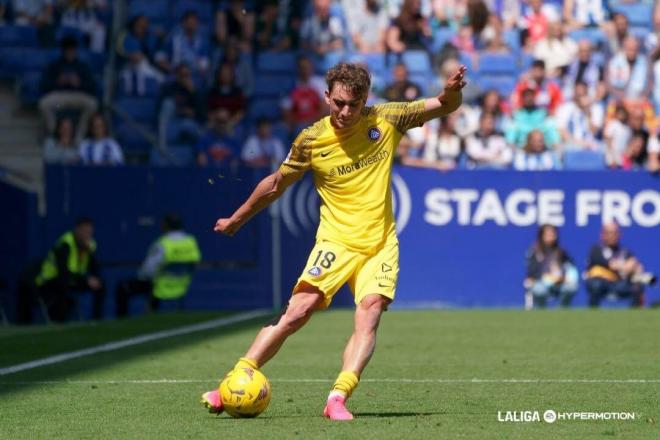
369 311
298 314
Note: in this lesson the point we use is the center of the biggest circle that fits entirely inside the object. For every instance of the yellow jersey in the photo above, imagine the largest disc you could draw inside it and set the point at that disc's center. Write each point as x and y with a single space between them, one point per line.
352 170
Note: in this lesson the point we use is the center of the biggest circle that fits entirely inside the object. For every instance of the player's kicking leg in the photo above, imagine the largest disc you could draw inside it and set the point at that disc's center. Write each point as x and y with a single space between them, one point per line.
271 337
359 349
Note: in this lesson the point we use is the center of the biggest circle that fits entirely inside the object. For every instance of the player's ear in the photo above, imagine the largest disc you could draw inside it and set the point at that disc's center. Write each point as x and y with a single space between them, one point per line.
327 97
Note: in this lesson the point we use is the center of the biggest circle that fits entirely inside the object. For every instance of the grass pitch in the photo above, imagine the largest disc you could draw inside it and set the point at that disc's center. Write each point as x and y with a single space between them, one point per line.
435 374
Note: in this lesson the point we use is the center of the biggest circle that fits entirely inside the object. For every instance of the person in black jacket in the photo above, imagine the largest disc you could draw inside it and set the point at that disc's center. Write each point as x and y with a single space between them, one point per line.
550 271
67 83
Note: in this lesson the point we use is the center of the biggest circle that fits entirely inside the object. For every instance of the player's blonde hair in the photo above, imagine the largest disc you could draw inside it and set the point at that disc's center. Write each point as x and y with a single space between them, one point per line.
355 77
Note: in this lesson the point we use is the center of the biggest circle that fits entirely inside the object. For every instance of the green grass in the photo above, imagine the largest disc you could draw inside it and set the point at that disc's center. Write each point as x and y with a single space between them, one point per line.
91 398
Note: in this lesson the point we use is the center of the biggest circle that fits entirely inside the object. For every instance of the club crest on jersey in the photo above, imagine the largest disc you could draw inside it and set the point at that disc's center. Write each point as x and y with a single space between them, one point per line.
314 271
374 134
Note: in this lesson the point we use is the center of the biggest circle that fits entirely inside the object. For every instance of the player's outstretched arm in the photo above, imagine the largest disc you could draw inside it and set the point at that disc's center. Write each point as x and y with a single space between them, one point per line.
266 192
449 99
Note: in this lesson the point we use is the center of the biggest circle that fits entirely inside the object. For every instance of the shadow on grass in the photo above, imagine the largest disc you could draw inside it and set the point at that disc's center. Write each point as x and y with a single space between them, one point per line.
19 382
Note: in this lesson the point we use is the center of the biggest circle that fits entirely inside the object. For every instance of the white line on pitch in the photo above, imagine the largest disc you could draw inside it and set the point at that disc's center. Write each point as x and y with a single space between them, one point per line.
56 359
389 380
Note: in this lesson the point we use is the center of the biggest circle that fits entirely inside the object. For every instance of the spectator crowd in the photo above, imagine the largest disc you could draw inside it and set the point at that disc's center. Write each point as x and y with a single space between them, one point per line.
552 84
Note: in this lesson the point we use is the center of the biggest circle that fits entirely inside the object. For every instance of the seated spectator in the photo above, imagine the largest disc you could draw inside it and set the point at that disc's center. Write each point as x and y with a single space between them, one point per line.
535 22
62 148
322 32
627 72
547 93
653 38
585 69
226 95
491 102
449 13
67 83
241 64
36 13
409 30
635 157
368 27
580 121
487 148
530 117
182 102
655 79
401 88
556 50
612 269
235 25
85 16
99 148
186 44
304 105
654 154
270 32
137 47
535 156
579 13
616 31
262 148
617 134
550 271
218 146
443 147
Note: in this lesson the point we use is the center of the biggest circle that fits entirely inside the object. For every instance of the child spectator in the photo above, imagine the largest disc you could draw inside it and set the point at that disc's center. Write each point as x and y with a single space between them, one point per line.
99 148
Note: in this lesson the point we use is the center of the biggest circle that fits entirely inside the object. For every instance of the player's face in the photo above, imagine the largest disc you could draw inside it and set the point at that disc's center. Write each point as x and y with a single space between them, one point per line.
345 108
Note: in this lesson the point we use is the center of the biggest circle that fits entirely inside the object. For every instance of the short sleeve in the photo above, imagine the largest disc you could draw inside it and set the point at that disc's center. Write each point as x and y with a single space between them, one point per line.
403 115
299 159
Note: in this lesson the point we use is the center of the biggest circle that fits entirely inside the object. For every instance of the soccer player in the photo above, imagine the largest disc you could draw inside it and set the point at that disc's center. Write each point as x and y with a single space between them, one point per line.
350 154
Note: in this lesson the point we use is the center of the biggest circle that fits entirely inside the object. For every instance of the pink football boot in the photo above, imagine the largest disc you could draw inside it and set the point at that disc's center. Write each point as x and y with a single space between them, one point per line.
335 409
212 401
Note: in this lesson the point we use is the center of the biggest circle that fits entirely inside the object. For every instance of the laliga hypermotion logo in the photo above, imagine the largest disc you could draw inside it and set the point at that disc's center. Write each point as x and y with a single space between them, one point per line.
300 206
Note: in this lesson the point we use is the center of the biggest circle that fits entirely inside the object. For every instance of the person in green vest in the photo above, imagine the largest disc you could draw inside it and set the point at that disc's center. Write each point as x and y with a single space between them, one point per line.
167 270
70 267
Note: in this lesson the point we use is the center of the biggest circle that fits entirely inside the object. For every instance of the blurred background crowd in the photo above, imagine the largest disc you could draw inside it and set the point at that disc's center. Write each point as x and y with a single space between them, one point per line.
571 84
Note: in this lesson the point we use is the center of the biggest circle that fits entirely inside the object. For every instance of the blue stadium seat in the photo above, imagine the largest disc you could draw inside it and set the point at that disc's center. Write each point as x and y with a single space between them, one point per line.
440 37
512 39
422 80
466 59
130 139
142 109
503 84
158 11
204 10
180 155
273 85
595 35
584 160
265 108
639 14
70 32
15 61
498 64
417 61
273 62
18 36
323 64
151 86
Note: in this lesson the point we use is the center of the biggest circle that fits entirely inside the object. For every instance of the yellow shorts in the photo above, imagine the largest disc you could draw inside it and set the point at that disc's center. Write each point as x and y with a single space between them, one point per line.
330 265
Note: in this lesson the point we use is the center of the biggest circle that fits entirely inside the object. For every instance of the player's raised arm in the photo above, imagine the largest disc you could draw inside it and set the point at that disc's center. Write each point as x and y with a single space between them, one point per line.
449 99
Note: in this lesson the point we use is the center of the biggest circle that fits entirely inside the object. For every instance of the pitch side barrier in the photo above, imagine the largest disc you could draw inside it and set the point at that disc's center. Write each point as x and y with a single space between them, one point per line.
463 234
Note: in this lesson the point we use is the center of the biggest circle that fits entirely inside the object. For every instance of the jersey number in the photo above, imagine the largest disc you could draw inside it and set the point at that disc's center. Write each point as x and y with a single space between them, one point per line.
327 260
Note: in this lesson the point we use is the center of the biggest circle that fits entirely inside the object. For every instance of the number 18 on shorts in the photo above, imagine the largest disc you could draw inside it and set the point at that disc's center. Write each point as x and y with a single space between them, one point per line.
330 265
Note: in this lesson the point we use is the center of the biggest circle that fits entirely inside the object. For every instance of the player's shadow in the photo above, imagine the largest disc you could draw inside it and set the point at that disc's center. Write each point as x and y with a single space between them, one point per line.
384 414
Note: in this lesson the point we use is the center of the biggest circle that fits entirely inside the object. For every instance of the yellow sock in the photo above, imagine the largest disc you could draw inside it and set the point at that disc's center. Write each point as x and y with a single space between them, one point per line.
346 382
246 363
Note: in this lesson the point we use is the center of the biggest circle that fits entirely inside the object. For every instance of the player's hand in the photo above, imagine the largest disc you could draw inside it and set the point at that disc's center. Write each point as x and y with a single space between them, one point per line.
457 80
226 226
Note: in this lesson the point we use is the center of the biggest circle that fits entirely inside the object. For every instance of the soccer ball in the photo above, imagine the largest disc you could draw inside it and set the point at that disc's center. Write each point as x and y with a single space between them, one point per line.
245 392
